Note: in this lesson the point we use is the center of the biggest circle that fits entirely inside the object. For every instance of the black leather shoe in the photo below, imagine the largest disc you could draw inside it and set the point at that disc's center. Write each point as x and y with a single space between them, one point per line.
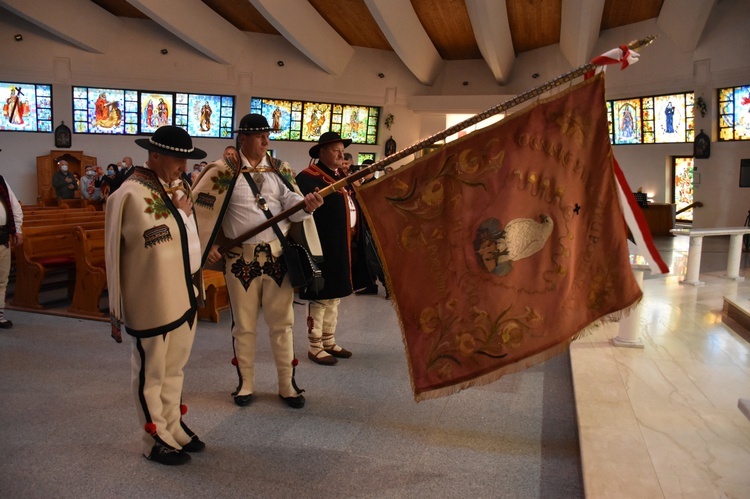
195 445
6 324
170 457
243 400
297 402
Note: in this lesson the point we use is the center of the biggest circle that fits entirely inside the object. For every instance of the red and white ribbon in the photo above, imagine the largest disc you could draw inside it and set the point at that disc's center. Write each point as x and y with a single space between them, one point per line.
621 54
636 222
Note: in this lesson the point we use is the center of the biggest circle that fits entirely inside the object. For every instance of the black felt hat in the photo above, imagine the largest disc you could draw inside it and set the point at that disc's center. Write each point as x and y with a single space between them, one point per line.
172 141
254 123
327 138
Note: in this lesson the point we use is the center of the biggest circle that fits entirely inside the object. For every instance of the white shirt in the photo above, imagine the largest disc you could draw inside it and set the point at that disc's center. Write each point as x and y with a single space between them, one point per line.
243 212
17 211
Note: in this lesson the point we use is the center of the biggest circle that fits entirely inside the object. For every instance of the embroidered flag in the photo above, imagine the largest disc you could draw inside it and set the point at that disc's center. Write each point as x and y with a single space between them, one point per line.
501 247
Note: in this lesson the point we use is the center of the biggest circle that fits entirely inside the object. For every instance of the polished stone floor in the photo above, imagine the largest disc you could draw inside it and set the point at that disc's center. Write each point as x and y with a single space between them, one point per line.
663 421
604 421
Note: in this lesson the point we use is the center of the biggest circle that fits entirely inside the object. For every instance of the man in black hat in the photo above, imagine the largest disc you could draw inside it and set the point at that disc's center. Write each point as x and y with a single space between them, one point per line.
153 258
228 206
335 228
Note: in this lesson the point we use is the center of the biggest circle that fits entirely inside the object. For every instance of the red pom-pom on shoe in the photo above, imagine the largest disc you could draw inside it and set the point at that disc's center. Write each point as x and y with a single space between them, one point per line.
150 428
183 409
234 361
295 362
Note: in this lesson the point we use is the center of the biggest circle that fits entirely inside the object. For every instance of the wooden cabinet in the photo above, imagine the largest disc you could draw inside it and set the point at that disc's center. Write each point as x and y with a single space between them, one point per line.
46 166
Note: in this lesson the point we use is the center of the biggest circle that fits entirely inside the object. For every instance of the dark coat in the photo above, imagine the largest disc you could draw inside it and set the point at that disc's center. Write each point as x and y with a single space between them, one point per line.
332 220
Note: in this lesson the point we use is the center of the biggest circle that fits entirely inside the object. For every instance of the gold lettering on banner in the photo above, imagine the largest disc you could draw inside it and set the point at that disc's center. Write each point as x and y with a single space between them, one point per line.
566 158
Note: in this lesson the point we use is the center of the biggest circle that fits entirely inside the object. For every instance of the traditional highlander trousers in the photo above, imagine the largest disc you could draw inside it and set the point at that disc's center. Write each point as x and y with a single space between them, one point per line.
11 219
153 259
255 270
335 234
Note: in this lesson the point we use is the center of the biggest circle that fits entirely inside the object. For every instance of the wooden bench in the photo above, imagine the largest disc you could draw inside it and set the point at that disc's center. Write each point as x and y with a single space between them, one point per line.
33 209
696 247
217 298
45 248
91 276
62 218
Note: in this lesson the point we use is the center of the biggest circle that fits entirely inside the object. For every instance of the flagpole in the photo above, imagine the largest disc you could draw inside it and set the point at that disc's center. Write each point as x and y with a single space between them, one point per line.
418 146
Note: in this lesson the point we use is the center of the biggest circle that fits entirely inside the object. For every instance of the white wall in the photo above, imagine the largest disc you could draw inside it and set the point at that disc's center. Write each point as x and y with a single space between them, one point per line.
719 60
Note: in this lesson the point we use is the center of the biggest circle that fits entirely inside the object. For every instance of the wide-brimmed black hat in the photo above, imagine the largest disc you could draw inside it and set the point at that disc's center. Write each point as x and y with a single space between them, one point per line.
172 141
254 123
327 138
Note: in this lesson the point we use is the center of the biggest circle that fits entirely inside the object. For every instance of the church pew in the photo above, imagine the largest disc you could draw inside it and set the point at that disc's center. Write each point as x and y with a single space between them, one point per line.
91 276
44 249
62 218
217 298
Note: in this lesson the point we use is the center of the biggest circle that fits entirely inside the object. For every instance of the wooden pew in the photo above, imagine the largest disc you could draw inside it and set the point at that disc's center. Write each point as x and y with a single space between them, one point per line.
45 248
48 210
62 218
91 276
217 298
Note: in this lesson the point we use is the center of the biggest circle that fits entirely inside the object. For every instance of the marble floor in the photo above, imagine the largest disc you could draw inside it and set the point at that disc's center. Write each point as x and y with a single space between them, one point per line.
663 420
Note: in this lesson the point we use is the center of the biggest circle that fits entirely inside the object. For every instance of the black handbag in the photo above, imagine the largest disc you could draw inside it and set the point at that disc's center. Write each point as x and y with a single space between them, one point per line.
301 267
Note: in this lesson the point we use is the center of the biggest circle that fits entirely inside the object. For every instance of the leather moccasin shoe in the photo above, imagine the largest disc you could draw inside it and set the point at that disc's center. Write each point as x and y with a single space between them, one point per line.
297 402
243 400
195 445
323 360
169 457
341 353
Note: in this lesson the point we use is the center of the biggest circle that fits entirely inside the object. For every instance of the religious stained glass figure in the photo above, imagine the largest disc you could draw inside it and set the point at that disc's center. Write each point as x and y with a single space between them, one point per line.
205 117
669 113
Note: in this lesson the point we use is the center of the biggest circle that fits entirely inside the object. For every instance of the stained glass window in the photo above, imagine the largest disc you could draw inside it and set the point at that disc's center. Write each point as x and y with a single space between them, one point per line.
683 186
734 113
652 120
27 107
132 112
307 121
627 121
105 110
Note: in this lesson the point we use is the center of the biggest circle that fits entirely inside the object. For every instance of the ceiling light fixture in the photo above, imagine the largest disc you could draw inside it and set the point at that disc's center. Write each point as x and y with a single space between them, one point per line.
381 75
19 37
466 84
280 64
164 51
535 75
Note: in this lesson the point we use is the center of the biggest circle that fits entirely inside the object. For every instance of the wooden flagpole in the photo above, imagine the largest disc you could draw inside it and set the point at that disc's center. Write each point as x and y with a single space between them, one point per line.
418 146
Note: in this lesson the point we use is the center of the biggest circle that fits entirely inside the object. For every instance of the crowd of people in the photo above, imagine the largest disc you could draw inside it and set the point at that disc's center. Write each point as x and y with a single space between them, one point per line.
165 223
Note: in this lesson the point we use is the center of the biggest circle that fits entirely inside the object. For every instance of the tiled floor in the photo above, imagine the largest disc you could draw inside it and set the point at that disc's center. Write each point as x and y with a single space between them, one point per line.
663 421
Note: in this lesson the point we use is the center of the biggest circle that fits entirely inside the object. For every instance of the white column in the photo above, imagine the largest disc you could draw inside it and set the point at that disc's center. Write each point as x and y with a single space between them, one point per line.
628 333
734 257
694 261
